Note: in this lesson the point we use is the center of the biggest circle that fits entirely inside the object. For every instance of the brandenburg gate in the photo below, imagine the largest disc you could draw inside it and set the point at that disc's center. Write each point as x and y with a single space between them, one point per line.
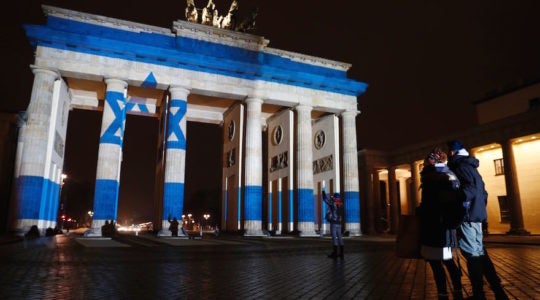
200 73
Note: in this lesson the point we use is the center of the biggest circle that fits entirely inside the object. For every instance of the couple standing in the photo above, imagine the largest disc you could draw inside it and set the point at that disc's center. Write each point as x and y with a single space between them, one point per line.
454 204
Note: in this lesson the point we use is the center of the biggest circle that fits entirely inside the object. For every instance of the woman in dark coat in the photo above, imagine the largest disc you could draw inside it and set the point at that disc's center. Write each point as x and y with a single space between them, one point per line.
438 214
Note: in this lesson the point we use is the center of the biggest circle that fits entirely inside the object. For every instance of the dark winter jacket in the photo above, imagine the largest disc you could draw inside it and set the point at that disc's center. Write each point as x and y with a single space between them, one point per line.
472 186
439 207
333 213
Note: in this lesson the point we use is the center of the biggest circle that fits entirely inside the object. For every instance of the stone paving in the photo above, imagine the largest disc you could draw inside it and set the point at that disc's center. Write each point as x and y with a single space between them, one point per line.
234 267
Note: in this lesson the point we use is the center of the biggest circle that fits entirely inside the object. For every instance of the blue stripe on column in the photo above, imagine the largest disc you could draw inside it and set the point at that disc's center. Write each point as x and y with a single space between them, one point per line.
55 202
291 206
352 207
105 199
315 203
323 212
29 191
45 199
305 205
173 200
253 197
50 200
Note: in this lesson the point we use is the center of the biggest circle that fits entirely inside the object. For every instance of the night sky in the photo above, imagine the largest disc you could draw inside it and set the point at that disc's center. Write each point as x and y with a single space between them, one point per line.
426 62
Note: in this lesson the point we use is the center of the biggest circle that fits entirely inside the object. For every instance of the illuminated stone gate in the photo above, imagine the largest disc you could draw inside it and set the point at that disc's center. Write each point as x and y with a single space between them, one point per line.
195 72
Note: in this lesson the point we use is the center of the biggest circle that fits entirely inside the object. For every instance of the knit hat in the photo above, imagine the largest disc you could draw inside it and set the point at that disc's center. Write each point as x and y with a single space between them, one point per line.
336 195
455 145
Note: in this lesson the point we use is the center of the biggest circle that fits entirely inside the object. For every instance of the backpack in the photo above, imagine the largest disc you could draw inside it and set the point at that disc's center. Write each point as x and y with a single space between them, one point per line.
334 215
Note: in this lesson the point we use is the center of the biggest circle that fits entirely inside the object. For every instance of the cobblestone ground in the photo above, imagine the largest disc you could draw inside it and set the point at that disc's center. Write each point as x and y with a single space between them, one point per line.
232 267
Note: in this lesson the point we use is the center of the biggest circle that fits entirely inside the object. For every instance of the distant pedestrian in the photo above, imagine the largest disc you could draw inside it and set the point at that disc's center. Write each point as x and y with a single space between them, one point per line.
333 216
106 229
33 232
475 200
173 225
437 214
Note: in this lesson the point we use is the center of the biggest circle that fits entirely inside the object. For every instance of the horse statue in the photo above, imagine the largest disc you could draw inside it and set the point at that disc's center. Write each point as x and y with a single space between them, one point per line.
229 22
192 15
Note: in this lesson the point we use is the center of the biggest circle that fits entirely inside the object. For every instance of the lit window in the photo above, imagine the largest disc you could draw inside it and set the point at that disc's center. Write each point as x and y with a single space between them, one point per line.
499 166
504 207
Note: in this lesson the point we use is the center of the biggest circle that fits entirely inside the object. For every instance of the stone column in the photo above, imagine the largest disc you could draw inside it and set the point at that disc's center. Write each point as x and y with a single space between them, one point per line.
376 198
369 185
394 205
175 160
32 183
415 177
253 175
517 226
280 206
350 174
109 156
304 180
270 201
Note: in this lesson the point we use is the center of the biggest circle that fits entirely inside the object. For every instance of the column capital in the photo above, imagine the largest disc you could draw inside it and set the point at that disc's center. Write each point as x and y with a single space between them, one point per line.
303 107
51 72
253 99
115 84
352 113
179 90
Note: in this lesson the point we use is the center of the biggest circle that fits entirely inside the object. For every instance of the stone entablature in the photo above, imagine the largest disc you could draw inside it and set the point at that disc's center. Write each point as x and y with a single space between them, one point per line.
103 21
78 37
312 60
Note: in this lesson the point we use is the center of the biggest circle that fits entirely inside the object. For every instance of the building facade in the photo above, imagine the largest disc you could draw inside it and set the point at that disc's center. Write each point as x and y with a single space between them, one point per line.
506 141
197 73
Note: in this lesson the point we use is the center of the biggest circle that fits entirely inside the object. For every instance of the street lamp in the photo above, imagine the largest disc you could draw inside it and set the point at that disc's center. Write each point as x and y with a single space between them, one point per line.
90 215
206 217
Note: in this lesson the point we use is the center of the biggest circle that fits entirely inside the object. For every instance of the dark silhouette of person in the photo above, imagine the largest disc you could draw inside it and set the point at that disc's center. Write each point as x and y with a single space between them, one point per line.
105 229
33 232
440 193
173 225
472 185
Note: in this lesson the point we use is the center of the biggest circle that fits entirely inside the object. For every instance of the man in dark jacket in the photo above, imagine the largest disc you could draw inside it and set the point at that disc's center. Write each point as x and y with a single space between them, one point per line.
474 203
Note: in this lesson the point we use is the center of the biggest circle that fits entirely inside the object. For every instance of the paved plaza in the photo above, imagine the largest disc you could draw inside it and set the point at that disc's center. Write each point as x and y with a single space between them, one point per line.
235 267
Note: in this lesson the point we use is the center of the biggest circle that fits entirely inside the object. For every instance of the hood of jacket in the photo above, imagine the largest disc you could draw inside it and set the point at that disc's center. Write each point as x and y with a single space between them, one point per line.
470 160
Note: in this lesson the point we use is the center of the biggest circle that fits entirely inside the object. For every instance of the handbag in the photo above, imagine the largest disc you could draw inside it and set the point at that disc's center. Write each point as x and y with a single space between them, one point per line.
436 253
408 237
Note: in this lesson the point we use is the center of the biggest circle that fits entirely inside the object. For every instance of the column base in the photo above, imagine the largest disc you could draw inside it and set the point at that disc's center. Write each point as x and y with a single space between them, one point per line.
93 232
308 234
253 228
254 232
307 229
353 229
518 231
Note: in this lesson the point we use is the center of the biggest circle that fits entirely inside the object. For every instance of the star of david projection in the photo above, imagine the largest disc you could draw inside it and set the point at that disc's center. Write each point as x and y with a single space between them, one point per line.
175 136
114 134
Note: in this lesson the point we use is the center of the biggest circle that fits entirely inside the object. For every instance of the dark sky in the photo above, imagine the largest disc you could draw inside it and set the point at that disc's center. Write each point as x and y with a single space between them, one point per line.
426 62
